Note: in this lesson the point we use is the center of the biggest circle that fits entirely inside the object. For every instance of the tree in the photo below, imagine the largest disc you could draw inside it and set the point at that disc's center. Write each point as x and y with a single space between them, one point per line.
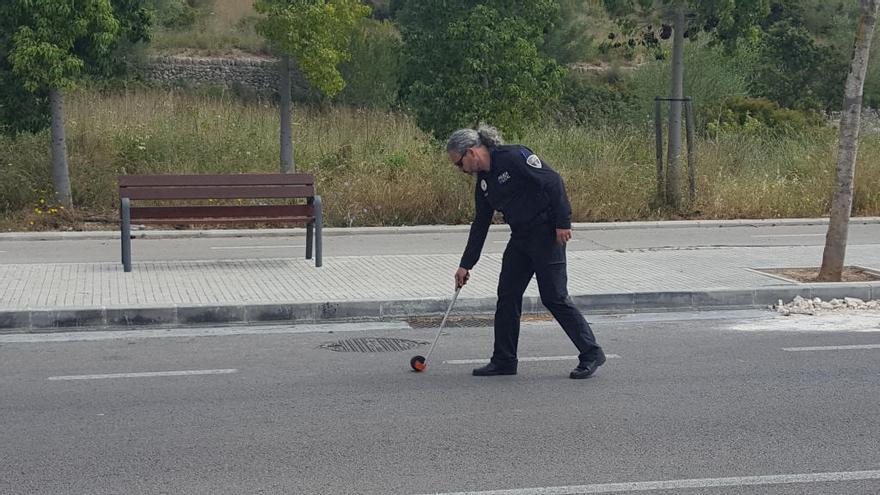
795 72
135 23
848 146
41 47
465 63
316 34
28 111
728 20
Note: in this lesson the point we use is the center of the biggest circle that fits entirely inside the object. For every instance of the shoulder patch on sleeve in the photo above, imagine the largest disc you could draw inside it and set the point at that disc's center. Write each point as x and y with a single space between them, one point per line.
534 161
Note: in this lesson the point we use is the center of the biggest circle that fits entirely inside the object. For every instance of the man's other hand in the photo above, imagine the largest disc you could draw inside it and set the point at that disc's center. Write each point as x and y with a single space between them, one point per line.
563 236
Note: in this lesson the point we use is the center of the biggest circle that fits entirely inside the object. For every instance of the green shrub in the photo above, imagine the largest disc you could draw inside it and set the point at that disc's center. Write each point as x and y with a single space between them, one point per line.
570 40
711 75
795 72
758 115
596 100
172 13
372 77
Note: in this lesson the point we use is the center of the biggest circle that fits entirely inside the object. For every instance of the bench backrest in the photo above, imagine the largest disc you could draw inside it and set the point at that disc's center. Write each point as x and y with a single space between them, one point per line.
238 186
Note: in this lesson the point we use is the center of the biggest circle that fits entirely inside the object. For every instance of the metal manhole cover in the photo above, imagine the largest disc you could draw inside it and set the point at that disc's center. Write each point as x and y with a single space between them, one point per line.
371 344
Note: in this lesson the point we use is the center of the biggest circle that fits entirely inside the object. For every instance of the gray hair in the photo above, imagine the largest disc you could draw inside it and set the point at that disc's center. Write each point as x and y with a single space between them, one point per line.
464 139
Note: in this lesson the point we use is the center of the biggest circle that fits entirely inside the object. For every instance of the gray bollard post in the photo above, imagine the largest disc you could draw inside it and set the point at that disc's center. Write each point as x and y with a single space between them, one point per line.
319 225
125 233
310 232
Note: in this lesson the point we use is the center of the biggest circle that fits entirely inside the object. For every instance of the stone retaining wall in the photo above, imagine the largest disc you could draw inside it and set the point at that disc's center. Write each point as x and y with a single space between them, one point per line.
258 74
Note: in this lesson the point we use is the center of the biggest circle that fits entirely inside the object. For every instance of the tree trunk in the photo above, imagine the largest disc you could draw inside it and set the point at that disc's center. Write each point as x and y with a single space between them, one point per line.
60 173
287 166
848 147
673 187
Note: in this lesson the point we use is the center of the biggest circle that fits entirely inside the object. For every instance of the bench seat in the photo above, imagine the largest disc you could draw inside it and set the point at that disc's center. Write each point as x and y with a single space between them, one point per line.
250 187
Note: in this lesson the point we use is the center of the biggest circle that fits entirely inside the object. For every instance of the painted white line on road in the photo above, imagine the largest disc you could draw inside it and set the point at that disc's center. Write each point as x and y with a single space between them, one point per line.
830 322
525 359
36 338
832 348
256 247
149 374
643 486
790 235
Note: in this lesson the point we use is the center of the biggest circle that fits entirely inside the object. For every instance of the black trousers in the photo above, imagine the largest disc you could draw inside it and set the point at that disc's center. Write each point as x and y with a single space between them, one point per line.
536 252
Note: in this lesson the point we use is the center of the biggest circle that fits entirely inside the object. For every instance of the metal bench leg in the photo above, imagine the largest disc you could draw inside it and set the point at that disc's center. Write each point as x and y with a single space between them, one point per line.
310 227
319 225
125 233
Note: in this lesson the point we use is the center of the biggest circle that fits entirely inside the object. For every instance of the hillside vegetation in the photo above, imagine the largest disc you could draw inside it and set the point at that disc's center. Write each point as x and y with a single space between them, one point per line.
764 147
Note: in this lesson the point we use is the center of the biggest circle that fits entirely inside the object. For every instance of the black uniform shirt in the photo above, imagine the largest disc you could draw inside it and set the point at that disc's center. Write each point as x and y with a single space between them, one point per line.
522 187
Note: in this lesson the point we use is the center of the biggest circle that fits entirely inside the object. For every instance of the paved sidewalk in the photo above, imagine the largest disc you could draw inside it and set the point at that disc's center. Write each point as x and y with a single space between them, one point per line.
41 297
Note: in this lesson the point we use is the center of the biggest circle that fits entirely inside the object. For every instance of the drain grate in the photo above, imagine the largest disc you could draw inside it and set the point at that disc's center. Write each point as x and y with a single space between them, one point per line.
371 344
470 321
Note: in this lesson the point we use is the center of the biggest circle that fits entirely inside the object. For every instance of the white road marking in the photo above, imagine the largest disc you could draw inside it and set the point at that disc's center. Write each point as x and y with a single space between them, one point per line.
790 235
35 338
149 374
256 247
643 486
830 322
832 348
525 359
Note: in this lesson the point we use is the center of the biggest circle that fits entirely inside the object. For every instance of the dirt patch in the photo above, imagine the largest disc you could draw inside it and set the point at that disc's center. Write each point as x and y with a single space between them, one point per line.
850 274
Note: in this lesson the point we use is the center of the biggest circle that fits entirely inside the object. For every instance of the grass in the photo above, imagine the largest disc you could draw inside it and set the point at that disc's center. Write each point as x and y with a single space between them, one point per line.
222 27
377 168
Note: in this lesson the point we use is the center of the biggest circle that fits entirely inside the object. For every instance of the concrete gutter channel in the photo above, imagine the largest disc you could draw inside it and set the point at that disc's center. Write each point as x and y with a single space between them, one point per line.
84 319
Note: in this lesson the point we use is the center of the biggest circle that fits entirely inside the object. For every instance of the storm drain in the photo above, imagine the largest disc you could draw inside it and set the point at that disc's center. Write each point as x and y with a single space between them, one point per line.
371 344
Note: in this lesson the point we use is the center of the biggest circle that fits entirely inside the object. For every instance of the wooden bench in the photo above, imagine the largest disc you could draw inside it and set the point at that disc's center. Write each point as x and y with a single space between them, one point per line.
220 187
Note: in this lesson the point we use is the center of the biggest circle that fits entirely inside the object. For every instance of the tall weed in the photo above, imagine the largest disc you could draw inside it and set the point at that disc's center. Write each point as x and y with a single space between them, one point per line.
375 167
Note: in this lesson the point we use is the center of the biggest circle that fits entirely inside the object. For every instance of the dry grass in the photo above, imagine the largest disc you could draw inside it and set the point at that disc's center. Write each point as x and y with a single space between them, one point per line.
377 168
227 13
225 28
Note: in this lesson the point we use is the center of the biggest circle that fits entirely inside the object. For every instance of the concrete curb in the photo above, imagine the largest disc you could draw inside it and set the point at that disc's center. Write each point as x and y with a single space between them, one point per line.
85 319
418 229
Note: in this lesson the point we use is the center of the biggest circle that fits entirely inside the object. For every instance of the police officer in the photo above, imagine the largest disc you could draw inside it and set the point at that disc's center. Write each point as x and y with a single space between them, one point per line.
531 195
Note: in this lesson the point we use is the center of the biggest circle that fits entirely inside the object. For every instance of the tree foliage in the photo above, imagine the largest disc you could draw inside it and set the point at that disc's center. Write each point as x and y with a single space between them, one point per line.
135 23
316 33
465 63
795 72
728 20
46 34
47 44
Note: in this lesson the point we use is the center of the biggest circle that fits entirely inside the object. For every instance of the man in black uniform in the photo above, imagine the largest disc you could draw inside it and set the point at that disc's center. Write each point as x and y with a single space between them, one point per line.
531 195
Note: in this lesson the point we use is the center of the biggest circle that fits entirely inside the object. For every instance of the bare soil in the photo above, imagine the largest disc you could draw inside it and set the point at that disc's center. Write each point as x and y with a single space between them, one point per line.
850 274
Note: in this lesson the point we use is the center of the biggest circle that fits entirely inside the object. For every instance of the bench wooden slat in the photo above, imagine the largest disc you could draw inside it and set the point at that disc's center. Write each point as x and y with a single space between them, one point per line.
126 181
209 213
217 192
212 220
183 189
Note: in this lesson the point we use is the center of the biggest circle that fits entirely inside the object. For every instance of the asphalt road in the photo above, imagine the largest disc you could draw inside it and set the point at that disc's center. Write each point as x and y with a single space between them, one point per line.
707 397
81 251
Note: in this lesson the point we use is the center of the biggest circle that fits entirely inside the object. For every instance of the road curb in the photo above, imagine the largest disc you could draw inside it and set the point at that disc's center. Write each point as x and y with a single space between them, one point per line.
85 319
418 229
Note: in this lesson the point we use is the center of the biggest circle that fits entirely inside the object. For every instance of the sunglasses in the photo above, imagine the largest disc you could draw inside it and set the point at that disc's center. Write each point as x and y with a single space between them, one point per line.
459 163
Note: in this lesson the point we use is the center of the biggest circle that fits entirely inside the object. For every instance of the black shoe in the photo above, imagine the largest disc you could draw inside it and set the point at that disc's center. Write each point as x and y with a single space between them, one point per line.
493 369
586 368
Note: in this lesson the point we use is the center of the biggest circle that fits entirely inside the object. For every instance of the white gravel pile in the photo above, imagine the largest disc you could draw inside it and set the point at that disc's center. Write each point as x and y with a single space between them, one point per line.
801 306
